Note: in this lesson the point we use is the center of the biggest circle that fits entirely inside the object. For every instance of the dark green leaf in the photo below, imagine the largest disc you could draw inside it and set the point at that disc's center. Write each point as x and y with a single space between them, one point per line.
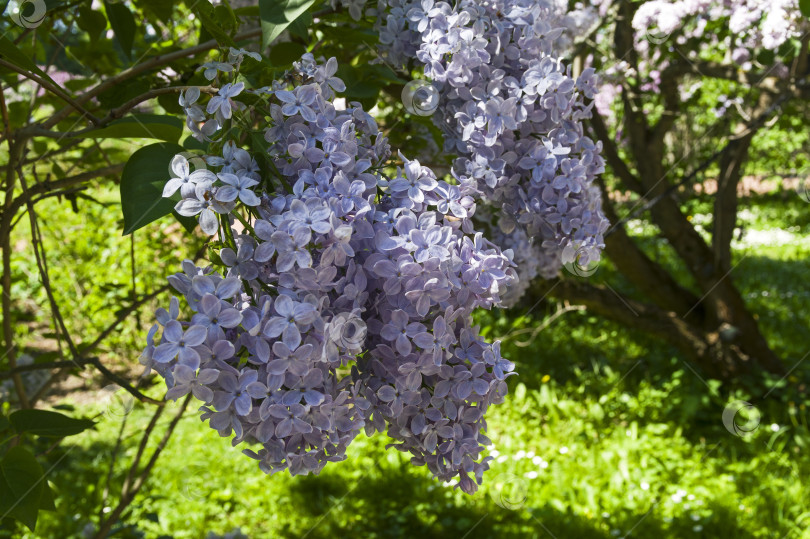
46 499
284 54
91 21
385 74
160 8
21 486
205 35
121 93
226 18
47 423
57 170
277 15
123 25
361 86
190 143
766 57
188 223
804 7
155 126
63 406
10 52
142 182
205 12
300 26
247 11
170 104
4 423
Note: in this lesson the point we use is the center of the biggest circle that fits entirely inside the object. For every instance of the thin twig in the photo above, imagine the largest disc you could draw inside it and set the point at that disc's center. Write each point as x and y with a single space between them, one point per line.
42 264
114 114
546 323
122 315
14 204
124 384
61 149
55 90
46 365
133 468
136 70
14 155
111 469
133 484
756 124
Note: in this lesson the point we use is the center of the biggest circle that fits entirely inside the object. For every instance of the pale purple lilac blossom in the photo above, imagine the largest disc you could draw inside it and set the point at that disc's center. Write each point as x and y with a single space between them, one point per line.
343 305
513 114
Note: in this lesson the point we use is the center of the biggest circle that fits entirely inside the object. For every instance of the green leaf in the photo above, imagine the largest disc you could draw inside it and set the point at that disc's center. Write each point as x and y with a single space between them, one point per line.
207 15
277 15
170 104
300 26
47 423
226 18
155 126
286 53
10 52
804 7
123 25
160 8
247 11
361 85
188 223
4 423
21 486
121 93
91 21
46 499
142 182
190 143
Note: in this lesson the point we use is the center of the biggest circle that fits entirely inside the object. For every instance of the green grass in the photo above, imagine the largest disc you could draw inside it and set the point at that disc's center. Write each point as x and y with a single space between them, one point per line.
605 432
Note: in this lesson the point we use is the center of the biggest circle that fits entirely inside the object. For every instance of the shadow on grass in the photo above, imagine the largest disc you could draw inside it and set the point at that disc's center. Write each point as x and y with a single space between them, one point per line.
403 504
589 356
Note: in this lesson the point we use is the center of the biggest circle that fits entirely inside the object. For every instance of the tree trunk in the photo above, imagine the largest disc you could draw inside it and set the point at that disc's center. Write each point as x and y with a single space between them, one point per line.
725 201
710 350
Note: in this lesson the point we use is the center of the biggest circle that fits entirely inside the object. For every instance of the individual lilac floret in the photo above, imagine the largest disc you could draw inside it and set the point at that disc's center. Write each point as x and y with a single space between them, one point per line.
223 104
184 180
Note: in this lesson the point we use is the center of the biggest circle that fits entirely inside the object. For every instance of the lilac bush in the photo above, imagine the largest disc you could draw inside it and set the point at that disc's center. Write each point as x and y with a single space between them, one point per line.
340 294
732 33
755 23
513 114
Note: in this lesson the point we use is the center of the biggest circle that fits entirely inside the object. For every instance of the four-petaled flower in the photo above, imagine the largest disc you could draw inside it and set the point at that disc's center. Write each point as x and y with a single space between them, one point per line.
184 180
237 186
187 380
223 104
180 344
401 331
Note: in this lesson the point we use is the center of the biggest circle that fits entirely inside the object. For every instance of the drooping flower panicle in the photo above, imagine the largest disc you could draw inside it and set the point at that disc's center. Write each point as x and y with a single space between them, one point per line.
341 305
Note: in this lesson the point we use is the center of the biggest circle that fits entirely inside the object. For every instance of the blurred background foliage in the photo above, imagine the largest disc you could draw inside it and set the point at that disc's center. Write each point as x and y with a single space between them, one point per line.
607 431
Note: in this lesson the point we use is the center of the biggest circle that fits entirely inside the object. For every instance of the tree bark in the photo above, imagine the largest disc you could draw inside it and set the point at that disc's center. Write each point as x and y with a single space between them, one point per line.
717 305
725 201
717 357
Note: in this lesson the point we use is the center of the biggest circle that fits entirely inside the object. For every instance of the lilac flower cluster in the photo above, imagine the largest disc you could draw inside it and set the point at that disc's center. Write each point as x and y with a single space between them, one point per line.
513 113
755 23
343 304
